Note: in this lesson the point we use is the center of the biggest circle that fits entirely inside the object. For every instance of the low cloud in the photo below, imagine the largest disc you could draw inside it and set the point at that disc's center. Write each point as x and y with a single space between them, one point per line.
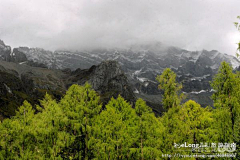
87 24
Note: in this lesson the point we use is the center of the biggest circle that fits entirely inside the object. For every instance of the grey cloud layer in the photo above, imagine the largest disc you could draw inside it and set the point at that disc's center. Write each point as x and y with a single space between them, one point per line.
83 24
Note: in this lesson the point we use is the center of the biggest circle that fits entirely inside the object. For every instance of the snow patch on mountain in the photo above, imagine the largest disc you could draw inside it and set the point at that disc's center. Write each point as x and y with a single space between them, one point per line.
234 62
136 91
202 91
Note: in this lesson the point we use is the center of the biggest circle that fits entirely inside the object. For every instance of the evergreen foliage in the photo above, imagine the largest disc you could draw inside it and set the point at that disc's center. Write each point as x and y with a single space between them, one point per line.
227 102
115 130
188 123
81 105
150 131
167 83
79 127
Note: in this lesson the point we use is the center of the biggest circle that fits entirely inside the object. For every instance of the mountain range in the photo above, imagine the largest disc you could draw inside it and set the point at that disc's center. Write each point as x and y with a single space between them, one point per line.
130 72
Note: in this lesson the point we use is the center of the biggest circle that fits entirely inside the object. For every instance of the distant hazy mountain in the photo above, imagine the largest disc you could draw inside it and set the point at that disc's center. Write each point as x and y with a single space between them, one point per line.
141 63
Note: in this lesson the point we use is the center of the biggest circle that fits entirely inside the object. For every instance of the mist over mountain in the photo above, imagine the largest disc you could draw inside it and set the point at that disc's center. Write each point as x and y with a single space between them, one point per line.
87 24
141 63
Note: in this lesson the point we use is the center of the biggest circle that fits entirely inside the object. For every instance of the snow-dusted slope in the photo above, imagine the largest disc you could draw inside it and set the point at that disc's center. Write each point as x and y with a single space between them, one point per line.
38 55
142 63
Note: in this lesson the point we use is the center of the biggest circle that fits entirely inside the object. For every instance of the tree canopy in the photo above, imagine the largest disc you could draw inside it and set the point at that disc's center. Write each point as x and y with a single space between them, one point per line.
79 127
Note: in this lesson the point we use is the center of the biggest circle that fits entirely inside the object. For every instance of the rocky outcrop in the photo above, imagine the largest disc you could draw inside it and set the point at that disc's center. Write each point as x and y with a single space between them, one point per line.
12 93
29 56
21 82
5 51
18 56
140 63
107 79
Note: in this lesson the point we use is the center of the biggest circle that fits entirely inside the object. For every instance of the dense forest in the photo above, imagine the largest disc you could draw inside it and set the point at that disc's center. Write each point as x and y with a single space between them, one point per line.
80 127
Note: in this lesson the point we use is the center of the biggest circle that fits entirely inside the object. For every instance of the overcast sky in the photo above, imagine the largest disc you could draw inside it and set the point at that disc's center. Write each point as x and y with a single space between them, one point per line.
81 24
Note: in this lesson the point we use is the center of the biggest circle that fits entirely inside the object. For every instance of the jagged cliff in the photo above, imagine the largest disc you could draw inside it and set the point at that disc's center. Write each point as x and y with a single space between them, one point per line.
140 63
5 51
107 79
19 82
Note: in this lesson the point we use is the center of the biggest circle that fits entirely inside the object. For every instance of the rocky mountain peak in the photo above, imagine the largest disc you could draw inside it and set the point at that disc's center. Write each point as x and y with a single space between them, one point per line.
107 79
5 51
2 43
18 55
4 47
108 69
141 64
108 72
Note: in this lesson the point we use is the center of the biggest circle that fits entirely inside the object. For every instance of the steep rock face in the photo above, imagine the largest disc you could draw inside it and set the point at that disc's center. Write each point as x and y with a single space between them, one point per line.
19 82
141 64
18 56
28 56
12 93
5 51
35 57
107 79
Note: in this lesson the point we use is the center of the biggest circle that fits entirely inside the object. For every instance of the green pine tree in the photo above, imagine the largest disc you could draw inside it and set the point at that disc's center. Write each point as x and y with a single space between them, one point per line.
81 105
171 97
226 86
227 103
150 131
188 123
115 131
